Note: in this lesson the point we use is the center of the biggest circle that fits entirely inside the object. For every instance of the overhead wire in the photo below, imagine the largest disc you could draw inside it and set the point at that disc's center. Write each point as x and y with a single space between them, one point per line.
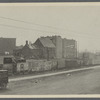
24 28
29 22
71 31
40 24
6 25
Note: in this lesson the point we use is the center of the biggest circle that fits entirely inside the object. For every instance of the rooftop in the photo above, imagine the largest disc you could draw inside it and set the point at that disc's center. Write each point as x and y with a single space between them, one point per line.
46 42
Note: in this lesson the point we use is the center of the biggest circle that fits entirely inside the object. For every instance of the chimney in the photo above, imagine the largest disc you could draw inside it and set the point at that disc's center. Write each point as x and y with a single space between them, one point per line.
26 42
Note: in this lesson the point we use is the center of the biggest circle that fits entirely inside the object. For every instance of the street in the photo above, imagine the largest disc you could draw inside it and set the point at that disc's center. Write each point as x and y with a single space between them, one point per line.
80 82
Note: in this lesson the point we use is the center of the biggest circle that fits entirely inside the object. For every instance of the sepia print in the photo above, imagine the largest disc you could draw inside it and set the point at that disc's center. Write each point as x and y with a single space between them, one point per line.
49 49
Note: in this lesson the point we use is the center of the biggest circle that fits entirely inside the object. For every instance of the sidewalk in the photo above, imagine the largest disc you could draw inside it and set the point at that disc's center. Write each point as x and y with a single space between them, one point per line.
50 74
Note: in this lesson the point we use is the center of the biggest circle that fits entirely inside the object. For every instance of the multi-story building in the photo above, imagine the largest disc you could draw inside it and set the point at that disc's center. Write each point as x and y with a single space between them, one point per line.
64 48
50 47
46 47
7 45
57 41
27 51
69 47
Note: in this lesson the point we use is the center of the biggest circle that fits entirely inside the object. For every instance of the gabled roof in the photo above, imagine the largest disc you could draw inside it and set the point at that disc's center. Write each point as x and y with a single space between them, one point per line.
46 42
19 47
31 46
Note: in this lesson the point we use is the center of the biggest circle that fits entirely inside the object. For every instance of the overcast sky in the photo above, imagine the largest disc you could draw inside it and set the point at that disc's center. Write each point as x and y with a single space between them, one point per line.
80 22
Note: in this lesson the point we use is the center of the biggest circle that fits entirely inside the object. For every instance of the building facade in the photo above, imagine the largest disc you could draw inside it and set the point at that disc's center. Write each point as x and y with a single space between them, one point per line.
7 45
50 47
27 51
69 47
46 47
57 40
64 48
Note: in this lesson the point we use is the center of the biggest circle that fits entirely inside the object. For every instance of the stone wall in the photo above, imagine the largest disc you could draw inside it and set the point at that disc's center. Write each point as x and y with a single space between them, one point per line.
41 65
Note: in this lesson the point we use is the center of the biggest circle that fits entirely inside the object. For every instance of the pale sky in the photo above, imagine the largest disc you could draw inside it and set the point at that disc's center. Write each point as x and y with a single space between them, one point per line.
81 23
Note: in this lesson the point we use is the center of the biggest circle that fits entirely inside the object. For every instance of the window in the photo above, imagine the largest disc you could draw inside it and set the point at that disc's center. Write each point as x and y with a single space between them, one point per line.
7 60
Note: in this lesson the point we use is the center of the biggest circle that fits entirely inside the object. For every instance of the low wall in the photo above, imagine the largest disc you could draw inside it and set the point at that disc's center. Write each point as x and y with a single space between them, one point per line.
41 65
33 65
44 65
60 63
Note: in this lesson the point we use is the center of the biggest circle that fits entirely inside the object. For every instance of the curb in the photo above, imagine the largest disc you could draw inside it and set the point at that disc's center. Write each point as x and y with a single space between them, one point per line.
50 74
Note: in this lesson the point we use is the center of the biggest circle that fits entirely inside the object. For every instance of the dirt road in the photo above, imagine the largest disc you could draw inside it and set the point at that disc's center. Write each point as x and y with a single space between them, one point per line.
81 82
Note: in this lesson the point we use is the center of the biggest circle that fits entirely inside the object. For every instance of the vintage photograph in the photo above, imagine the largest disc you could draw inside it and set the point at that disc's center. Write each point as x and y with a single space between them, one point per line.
49 49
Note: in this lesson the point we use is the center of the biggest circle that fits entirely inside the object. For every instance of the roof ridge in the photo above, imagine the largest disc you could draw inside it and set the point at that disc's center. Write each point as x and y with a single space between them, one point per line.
46 42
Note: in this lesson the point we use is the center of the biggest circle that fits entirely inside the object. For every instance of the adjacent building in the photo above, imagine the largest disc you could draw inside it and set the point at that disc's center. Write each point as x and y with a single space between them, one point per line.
58 47
50 47
27 51
57 41
89 58
7 45
69 47
46 47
